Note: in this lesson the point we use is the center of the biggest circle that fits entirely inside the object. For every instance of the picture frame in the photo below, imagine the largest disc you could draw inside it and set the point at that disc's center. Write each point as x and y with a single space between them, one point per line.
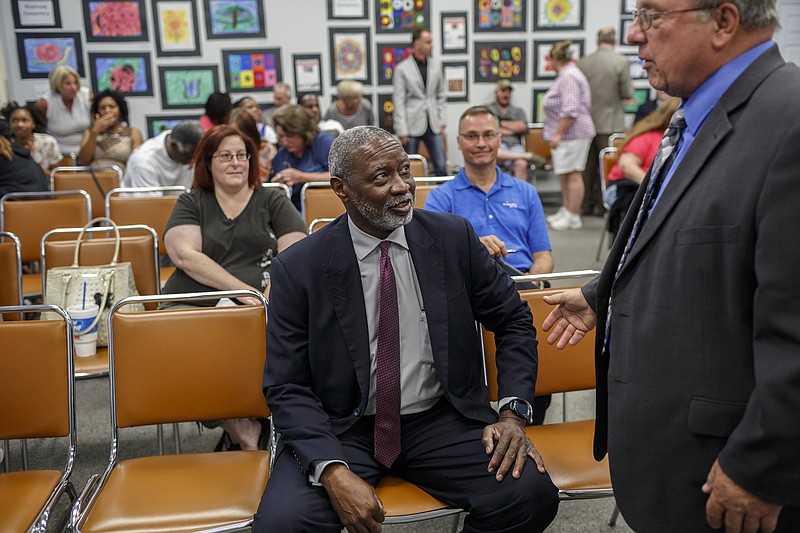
349 50
455 34
252 70
235 19
541 57
637 70
114 21
307 73
402 17
625 24
640 96
386 112
456 80
627 7
175 27
158 123
389 55
538 105
558 15
128 73
493 17
496 60
347 9
39 53
33 14
187 87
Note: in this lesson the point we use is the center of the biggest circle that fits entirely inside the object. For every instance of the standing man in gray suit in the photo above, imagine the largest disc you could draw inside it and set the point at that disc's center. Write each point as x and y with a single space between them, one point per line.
609 78
698 307
419 101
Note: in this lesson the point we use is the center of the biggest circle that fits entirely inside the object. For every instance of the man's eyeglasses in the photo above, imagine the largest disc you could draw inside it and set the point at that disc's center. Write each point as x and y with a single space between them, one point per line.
646 17
472 137
227 157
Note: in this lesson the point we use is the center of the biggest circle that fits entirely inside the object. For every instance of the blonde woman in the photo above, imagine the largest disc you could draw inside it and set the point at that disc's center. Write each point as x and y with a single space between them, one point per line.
351 109
68 108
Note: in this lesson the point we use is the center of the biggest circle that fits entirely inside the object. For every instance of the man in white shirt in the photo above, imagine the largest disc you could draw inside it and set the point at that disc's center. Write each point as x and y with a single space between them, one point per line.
165 160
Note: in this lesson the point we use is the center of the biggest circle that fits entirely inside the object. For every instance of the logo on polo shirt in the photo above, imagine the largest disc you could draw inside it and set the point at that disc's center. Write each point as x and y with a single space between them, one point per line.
511 205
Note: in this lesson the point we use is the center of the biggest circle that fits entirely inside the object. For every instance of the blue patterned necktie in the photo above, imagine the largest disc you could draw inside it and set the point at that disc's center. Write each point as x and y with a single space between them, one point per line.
658 171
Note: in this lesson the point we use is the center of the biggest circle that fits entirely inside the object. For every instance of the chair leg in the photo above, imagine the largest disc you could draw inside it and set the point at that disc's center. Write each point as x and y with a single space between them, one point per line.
614 515
160 436
456 522
602 236
24 454
176 435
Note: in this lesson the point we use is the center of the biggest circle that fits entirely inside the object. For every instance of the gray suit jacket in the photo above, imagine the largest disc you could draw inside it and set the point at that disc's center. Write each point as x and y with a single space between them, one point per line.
610 81
705 337
415 105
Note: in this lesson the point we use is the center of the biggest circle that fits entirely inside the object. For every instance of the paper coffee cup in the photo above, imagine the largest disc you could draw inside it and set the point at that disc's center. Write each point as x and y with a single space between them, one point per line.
85 343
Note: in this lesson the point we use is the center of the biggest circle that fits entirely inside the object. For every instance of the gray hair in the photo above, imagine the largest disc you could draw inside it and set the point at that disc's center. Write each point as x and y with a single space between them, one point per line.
284 87
607 35
345 148
753 14
187 134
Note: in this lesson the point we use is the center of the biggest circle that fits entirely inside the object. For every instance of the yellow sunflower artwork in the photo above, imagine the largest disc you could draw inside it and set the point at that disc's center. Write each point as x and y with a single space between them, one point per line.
557 12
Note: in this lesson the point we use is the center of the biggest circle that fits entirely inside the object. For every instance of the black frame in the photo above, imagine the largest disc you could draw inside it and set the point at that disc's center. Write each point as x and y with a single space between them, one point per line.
87 23
454 14
623 7
478 28
262 23
162 71
465 65
93 56
18 19
425 24
537 24
493 78
226 54
623 32
332 32
534 108
25 73
151 119
307 57
537 43
364 8
380 65
160 52
385 118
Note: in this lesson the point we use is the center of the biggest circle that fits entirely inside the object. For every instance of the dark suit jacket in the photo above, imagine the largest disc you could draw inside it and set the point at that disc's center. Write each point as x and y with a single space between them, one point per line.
705 355
317 374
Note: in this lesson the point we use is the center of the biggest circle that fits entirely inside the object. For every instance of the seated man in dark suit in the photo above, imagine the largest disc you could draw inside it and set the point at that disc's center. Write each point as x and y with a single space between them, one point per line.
375 366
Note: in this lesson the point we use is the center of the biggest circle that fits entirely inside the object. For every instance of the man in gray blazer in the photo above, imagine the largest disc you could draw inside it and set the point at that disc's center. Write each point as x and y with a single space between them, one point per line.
698 309
419 101
609 78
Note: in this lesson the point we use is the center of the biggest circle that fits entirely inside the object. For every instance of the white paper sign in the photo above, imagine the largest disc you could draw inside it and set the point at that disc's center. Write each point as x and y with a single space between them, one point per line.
36 13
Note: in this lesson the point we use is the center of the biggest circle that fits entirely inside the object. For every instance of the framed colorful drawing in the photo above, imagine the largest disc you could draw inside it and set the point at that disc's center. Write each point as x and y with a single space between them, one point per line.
456 82
538 105
625 24
176 28
542 69
349 52
640 96
389 55
558 15
500 60
156 124
347 9
252 70
114 20
402 16
187 87
235 19
124 72
386 112
454 32
30 14
492 16
307 73
39 53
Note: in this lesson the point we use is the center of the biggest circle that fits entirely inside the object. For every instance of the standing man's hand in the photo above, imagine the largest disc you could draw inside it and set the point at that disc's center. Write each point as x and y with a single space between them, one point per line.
494 246
555 141
354 500
507 443
404 140
572 318
732 506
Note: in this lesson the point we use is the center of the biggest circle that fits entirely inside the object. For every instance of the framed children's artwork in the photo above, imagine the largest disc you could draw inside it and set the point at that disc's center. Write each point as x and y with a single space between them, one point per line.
506 15
402 16
389 55
542 69
39 53
500 61
349 52
31 14
640 96
128 73
538 105
307 73
636 66
114 20
256 70
558 15
454 32
347 9
176 28
157 124
627 7
187 87
456 82
235 19
386 112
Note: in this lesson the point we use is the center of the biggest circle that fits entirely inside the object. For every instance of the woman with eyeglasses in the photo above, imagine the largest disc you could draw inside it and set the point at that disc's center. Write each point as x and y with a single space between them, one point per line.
223 236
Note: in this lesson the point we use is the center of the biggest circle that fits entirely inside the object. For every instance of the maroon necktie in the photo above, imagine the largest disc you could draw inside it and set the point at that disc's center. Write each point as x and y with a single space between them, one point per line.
387 372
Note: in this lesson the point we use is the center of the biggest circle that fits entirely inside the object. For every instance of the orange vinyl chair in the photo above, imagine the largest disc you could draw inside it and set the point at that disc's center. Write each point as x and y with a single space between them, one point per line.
419 165
317 200
29 215
319 223
534 142
404 503
566 447
282 186
10 273
180 365
608 158
138 245
615 140
424 186
37 400
97 181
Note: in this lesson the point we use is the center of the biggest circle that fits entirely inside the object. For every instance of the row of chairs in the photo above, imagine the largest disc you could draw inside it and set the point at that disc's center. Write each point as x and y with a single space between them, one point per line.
222 490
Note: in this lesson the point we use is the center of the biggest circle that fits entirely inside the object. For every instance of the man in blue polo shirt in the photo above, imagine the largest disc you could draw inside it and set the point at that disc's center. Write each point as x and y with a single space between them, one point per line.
506 212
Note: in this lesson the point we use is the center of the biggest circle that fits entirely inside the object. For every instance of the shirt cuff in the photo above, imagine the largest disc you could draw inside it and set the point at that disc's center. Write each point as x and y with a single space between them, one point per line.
317 467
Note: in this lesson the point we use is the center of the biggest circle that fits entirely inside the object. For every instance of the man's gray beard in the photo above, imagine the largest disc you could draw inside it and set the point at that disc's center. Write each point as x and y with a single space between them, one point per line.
385 220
